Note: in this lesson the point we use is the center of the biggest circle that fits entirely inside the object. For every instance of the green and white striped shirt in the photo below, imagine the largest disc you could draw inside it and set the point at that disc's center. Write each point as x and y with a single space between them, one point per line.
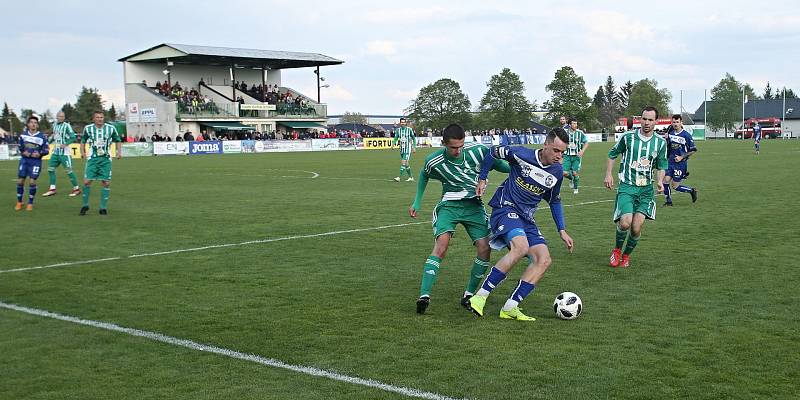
405 136
640 156
62 134
459 176
100 139
576 141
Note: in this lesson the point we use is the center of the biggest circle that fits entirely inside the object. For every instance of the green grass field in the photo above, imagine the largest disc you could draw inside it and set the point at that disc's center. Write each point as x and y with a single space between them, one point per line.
707 311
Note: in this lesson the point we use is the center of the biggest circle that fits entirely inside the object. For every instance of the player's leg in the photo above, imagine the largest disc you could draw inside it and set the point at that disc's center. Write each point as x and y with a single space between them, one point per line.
667 184
623 216
644 208
67 161
52 164
443 228
566 163
576 178
90 174
677 185
20 190
519 246
105 193
35 170
476 223
539 255
408 169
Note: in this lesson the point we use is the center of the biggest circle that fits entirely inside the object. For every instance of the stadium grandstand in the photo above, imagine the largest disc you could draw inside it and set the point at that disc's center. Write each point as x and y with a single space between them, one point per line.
171 89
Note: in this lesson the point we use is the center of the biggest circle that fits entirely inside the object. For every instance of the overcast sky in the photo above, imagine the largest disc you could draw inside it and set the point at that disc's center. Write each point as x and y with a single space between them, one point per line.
48 50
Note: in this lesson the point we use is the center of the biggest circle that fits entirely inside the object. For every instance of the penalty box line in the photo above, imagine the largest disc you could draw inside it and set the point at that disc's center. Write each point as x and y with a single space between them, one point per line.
249 242
253 358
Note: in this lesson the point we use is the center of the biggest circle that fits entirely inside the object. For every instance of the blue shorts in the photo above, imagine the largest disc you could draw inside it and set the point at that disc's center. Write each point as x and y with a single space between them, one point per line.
506 224
29 167
677 171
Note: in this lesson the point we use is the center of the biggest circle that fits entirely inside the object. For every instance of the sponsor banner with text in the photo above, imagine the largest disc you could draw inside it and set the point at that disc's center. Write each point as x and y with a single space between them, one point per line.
324 144
4 152
140 149
231 146
275 146
594 137
206 147
170 148
248 146
379 143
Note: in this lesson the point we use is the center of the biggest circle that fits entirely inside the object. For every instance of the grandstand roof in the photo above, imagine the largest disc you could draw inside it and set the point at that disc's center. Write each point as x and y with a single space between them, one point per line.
227 56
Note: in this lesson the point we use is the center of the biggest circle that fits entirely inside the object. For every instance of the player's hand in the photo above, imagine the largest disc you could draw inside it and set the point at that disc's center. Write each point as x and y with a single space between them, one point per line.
63 146
567 240
609 181
119 156
412 212
580 153
659 189
480 189
83 156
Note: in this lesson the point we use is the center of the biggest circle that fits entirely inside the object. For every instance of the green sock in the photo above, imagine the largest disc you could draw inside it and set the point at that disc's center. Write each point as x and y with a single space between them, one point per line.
632 242
408 170
621 235
104 193
402 170
52 175
576 181
72 179
86 189
479 268
429 273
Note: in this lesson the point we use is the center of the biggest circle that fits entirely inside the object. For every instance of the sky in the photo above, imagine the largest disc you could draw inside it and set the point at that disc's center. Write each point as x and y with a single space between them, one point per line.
49 49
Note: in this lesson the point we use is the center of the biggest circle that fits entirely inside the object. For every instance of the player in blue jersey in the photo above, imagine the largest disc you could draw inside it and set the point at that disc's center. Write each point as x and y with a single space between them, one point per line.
679 147
535 175
757 137
32 147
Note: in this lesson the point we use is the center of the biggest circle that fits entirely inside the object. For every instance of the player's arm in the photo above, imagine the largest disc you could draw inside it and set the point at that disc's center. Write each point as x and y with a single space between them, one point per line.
557 212
690 146
117 142
70 135
661 166
413 141
396 138
44 149
422 183
615 151
585 145
84 138
501 166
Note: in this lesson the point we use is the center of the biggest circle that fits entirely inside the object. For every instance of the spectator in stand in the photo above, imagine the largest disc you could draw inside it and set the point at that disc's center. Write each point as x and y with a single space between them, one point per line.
155 137
188 136
199 138
142 139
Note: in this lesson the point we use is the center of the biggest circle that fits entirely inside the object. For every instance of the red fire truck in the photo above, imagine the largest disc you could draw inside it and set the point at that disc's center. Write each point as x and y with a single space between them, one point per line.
770 128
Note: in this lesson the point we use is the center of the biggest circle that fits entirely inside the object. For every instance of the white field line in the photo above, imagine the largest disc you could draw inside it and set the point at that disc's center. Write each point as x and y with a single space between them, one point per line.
270 362
249 242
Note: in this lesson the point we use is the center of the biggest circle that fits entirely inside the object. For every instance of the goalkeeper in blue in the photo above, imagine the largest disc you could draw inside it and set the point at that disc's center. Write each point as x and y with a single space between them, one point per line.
536 175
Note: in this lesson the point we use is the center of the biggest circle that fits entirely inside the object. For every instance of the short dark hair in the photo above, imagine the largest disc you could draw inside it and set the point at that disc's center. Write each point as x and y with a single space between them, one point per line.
32 117
98 112
560 133
650 108
452 131
571 120
402 119
677 116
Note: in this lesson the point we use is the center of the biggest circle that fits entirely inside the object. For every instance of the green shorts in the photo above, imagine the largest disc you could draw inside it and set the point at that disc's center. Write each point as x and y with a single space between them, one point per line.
572 163
59 159
635 199
469 213
98 169
405 156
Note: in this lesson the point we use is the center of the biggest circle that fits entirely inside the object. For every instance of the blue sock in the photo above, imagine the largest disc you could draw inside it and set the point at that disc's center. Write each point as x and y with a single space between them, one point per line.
522 291
495 278
31 193
20 192
684 189
668 192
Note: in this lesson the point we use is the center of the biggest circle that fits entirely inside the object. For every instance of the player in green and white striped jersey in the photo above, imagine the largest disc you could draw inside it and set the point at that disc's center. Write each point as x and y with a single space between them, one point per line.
405 137
99 136
62 137
577 145
641 153
457 166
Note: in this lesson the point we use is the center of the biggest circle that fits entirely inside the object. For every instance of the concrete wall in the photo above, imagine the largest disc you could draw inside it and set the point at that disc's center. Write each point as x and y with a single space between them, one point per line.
190 75
145 98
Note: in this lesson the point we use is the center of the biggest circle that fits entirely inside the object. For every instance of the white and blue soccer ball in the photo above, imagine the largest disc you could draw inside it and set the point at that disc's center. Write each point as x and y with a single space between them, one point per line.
568 305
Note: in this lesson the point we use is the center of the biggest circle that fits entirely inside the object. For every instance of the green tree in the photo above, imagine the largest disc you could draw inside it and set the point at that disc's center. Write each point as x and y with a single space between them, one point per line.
644 93
353 118
768 92
10 121
440 104
87 103
45 119
69 112
623 95
725 110
111 113
789 93
504 104
569 98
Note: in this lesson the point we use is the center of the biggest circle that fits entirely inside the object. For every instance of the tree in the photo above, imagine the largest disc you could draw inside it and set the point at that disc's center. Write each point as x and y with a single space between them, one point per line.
599 97
726 109
568 98
111 113
608 109
623 95
440 104
10 121
789 93
644 93
504 104
353 118
69 111
768 92
45 119
88 102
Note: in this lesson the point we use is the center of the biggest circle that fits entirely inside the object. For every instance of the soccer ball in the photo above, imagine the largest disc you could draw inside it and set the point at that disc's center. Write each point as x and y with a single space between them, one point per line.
567 305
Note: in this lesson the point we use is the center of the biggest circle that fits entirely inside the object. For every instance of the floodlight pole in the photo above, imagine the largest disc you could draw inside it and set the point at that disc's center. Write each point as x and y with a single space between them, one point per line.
318 88
263 83
783 115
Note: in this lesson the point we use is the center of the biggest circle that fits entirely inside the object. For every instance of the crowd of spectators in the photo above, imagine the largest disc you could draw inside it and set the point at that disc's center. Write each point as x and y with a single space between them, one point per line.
189 99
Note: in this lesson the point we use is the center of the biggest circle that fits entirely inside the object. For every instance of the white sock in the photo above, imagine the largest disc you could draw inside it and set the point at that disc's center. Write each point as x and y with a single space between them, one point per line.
510 304
482 292
52 187
466 293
